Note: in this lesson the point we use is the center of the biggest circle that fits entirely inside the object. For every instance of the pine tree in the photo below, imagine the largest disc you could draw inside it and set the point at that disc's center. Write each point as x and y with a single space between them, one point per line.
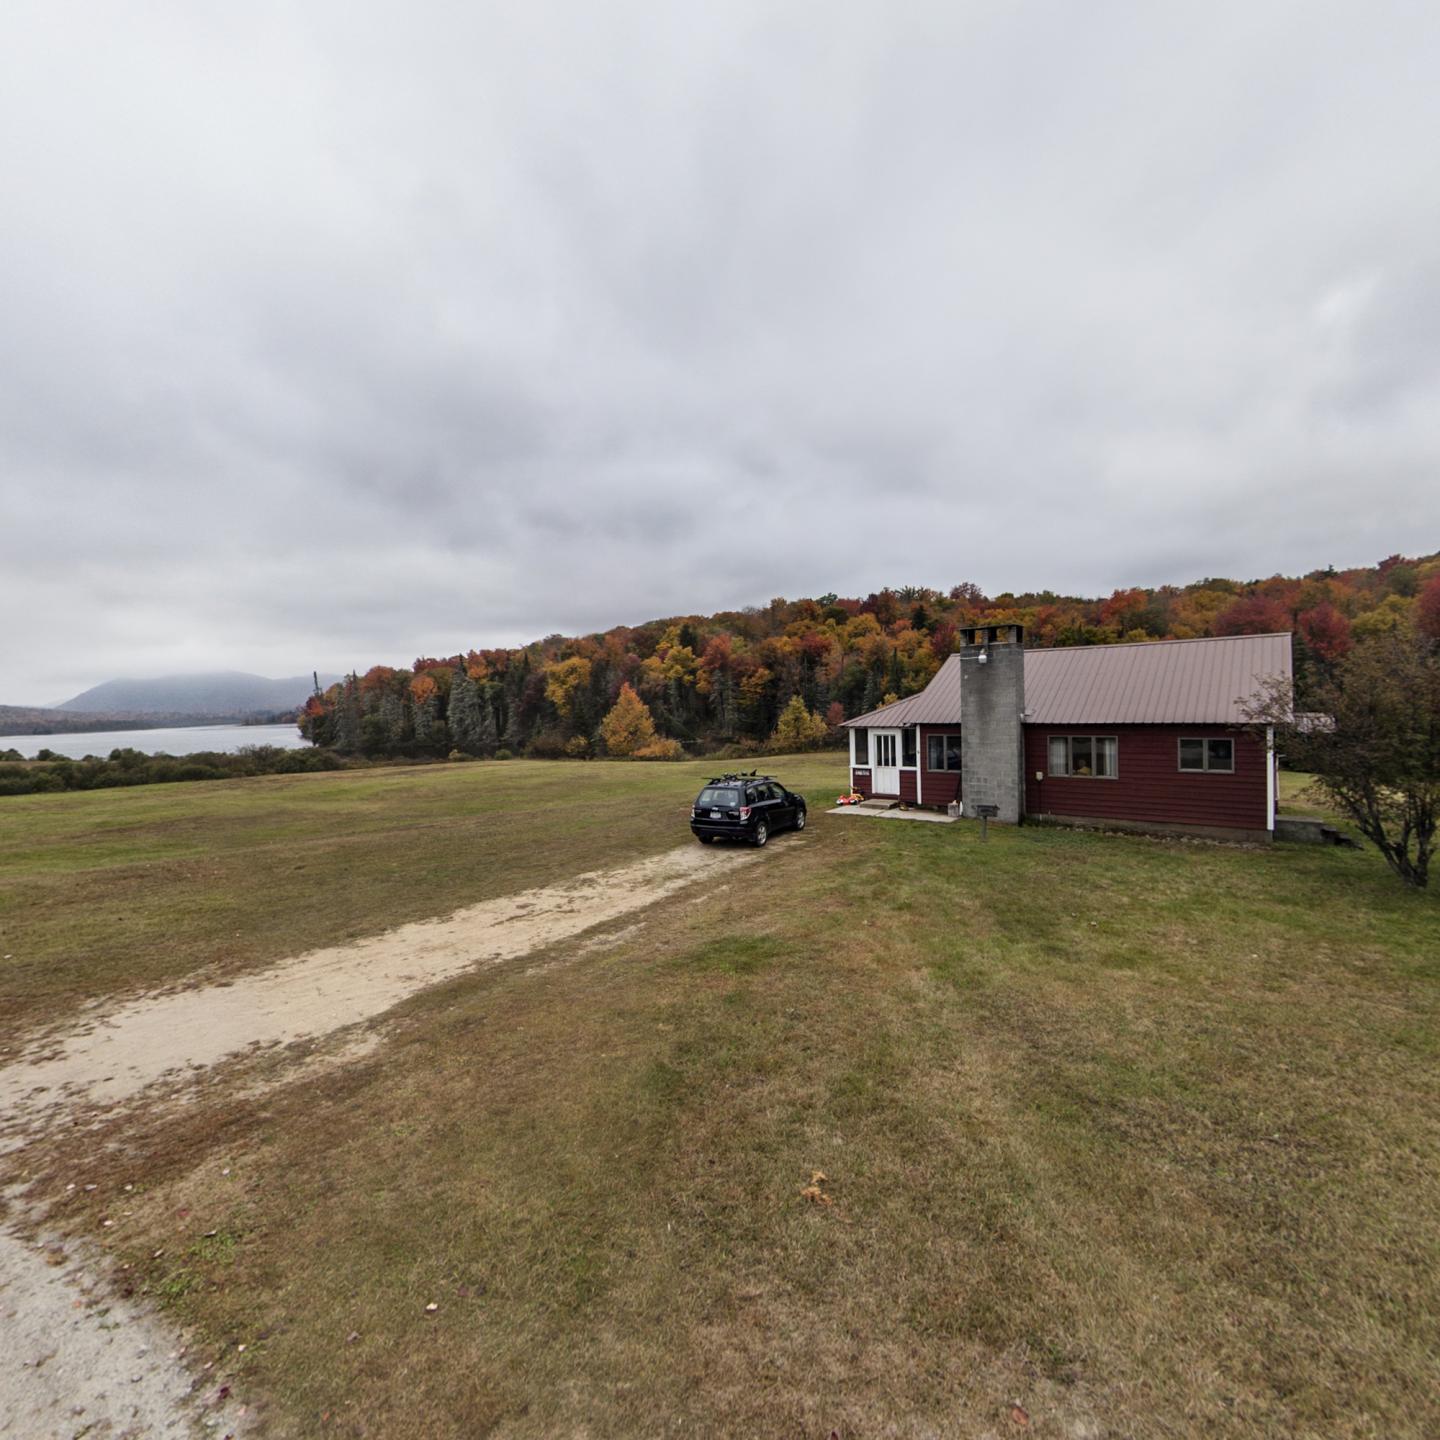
430 732
347 716
392 712
491 697
467 706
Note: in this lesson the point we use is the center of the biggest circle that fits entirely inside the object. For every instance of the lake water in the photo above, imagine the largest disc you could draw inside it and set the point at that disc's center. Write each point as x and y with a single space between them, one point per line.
181 740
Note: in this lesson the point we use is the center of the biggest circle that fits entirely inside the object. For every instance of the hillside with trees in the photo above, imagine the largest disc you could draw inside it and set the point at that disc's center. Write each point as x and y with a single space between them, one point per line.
785 675
228 693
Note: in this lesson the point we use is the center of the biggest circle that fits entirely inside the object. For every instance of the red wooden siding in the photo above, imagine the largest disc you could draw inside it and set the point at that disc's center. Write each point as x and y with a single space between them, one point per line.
1150 788
860 778
941 786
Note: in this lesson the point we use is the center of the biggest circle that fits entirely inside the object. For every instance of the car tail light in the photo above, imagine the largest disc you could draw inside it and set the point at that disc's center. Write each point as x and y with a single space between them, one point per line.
744 812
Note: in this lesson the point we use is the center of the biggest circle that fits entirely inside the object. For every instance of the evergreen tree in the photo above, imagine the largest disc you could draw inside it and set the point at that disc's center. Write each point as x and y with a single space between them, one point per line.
392 712
467 706
347 716
430 731
492 698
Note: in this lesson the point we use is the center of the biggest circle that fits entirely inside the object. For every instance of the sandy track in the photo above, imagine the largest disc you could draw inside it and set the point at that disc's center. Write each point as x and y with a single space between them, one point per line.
80 1361
117 1054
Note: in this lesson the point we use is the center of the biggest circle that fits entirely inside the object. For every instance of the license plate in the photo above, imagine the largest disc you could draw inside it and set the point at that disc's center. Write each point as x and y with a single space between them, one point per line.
715 815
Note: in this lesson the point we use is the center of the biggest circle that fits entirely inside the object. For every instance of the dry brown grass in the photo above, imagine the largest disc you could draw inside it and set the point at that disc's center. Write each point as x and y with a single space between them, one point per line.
112 892
1143 1136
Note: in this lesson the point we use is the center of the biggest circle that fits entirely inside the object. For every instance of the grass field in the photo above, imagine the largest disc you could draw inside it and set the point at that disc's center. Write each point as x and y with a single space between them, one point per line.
1144 1136
112 891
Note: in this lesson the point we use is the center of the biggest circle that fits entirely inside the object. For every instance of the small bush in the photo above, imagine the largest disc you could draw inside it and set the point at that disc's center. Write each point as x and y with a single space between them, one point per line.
503 754
459 755
547 745
660 749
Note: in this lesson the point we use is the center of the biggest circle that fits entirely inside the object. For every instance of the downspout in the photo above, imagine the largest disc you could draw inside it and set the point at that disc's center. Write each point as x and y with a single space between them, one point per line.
919 768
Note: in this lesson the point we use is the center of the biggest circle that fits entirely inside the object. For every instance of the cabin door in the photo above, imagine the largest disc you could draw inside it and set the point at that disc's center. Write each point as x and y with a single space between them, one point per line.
885 762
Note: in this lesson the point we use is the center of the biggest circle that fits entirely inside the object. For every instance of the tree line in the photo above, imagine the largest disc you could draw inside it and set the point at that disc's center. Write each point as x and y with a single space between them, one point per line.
50 773
785 675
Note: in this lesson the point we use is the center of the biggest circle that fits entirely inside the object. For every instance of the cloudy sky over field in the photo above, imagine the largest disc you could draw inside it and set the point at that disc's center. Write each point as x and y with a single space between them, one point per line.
340 333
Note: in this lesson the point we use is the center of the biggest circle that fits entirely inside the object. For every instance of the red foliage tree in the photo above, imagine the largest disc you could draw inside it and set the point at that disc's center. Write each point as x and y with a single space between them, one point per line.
1326 631
1427 610
1254 615
1125 609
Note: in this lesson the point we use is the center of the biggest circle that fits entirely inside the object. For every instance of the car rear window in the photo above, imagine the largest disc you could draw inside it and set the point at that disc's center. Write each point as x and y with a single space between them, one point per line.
719 797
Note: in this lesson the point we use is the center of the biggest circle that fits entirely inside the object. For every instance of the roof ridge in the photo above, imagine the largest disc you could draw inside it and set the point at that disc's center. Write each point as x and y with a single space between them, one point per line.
1150 644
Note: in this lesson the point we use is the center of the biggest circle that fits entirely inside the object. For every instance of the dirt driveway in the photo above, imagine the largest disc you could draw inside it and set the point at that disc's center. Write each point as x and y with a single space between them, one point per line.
76 1362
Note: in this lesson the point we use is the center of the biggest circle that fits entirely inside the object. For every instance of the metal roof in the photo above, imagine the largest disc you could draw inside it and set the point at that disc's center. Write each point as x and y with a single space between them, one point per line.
1159 682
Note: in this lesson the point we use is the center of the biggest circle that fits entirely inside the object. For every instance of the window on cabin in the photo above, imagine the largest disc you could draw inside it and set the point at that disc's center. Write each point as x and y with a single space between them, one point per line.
907 747
942 752
862 747
1209 753
1087 757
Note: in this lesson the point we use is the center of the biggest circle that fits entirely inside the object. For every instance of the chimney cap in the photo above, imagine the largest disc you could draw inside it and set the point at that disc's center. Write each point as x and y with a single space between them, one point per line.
999 633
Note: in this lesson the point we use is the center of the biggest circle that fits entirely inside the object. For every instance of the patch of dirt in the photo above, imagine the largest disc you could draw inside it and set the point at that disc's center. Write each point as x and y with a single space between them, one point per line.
116 1054
80 1360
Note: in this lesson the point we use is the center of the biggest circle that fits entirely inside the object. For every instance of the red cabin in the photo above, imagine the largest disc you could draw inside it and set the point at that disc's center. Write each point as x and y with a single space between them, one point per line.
1146 737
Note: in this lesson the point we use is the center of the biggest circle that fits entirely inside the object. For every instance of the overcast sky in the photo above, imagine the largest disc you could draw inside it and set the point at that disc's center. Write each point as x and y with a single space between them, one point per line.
340 333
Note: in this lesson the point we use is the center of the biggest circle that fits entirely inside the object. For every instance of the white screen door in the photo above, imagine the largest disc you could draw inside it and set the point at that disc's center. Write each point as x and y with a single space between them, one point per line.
885 762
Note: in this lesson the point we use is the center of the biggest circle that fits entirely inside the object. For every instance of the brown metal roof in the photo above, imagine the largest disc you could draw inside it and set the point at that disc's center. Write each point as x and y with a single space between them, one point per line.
1162 682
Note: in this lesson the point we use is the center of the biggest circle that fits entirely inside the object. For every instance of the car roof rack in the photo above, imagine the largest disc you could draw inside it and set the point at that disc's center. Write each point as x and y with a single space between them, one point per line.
736 777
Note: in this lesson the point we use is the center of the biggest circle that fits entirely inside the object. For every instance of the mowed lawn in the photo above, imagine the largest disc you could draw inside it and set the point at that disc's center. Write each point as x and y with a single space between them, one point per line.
118 891
1141 1136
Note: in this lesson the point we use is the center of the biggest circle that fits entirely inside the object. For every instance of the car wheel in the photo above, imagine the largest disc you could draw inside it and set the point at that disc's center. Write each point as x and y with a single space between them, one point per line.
799 819
762 833
706 839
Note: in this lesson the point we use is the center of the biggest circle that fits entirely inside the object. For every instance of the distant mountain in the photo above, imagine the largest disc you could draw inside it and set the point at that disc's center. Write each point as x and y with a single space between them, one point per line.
226 693
40 720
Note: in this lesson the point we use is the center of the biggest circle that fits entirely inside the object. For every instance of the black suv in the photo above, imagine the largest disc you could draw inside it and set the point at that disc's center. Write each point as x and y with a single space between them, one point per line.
745 807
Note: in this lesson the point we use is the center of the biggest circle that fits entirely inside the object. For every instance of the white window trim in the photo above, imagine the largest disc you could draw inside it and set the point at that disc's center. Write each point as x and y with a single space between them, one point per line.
1207 768
856 764
1067 773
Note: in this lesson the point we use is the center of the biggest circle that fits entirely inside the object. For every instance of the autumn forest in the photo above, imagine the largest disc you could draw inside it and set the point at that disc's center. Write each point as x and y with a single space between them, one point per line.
783 676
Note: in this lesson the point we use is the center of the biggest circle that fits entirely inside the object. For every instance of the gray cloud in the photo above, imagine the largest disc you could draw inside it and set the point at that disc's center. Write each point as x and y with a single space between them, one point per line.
342 333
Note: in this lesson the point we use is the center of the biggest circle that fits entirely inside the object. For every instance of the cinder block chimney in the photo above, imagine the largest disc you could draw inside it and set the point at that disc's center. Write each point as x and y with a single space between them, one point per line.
992 719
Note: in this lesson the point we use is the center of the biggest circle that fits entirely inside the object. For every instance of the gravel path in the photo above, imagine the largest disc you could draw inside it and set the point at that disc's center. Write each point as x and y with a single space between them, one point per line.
77 1361
114 1055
